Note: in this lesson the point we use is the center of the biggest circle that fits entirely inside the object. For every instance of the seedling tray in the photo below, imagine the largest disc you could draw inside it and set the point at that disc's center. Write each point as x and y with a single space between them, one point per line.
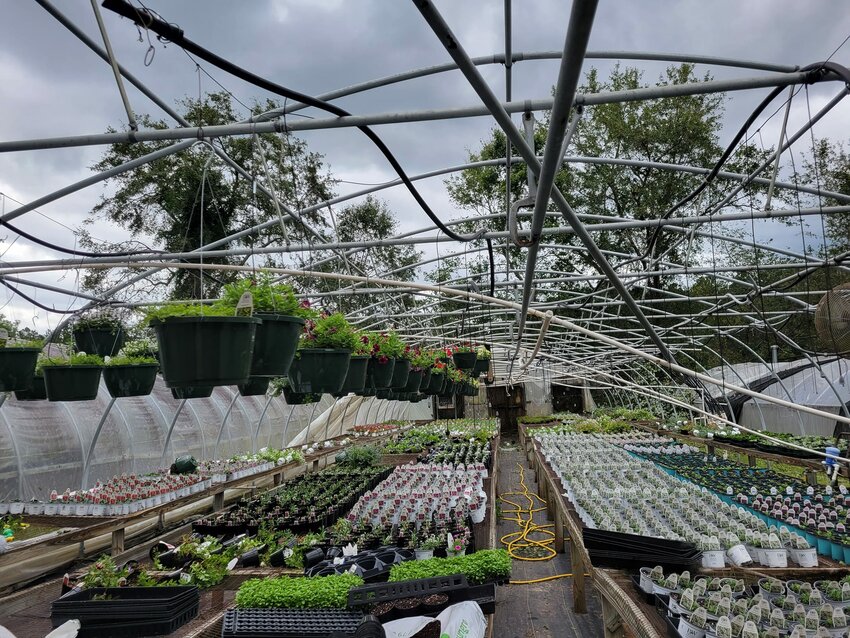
128 602
382 592
289 623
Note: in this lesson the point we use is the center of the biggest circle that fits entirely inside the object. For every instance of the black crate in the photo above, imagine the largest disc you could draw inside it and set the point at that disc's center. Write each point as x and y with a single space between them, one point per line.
289 623
119 627
382 592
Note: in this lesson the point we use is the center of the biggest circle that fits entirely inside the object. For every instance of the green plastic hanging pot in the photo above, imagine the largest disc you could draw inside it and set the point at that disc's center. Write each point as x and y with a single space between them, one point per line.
36 391
400 373
256 386
205 351
133 380
274 344
355 379
17 368
481 366
192 392
72 383
319 370
100 341
464 360
379 373
414 380
426 380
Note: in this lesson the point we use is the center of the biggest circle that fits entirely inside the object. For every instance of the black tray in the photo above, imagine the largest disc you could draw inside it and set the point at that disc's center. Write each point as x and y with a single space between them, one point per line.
382 592
119 628
286 623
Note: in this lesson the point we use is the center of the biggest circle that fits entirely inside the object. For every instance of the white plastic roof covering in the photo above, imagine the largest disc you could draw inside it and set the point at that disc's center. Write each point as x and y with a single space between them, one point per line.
43 444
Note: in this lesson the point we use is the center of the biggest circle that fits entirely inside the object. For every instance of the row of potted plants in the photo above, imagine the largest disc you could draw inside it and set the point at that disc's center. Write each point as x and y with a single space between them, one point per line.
614 490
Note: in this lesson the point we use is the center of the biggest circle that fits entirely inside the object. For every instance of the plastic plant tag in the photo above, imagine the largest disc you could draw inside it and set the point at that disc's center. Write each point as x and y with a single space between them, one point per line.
232 563
687 600
245 305
750 630
798 632
777 619
737 625
724 607
838 618
723 628
812 619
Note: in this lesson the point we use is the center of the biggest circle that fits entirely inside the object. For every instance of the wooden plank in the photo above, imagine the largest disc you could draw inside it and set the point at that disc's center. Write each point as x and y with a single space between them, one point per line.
117 541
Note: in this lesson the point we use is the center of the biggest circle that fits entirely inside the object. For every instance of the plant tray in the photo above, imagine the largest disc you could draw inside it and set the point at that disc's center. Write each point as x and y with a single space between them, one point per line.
382 592
285 623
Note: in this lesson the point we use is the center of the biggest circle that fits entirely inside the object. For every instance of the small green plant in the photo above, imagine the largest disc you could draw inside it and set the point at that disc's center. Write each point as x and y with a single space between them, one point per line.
166 311
480 567
267 296
430 542
360 456
80 359
104 573
128 361
99 321
210 571
328 592
329 331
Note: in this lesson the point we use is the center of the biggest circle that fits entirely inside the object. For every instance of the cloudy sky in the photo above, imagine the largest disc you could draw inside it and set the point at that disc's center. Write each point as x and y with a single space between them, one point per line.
54 86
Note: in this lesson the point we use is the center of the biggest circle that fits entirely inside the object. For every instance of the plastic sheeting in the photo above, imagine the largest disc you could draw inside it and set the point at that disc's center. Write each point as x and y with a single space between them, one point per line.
43 444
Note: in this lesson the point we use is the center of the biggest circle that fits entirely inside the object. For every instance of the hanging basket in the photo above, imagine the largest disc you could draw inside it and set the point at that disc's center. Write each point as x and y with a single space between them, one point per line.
100 341
414 380
378 374
435 384
72 383
36 391
17 368
192 392
400 373
448 389
299 398
274 345
426 380
256 387
383 393
319 370
205 351
366 392
134 380
470 390
464 360
355 379
482 366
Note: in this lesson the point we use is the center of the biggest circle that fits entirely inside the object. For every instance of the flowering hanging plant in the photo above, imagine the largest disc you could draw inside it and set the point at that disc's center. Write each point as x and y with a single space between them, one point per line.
422 359
385 345
454 374
328 331
460 348
482 352
439 367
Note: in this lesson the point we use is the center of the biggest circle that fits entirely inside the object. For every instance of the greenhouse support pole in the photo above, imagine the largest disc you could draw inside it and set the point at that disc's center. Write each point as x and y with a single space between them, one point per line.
87 461
260 420
310 422
328 420
223 422
283 444
171 431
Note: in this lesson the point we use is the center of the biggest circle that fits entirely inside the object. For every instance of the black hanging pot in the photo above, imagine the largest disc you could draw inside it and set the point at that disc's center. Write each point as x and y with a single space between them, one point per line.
205 351
448 389
355 378
17 368
299 398
192 392
464 360
401 371
72 383
481 366
367 392
274 344
414 380
255 387
383 393
435 383
36 391
133 380
319 370
380 373
104 342
425 381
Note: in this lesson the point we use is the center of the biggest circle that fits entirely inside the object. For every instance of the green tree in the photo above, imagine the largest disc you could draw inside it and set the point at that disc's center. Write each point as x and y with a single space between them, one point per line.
829 169
185 200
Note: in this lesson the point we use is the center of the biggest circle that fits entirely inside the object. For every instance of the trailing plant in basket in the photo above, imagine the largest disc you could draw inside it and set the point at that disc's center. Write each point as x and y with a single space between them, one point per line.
139 348
79 359
101 321
267 296
386 345
329 331
123 360
188 310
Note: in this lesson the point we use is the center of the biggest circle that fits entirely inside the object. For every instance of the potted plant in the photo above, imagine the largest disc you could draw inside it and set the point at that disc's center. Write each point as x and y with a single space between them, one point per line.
386 350
482 361
73 379
17 360
358 367
203 346
100 333
463 355
422 361
455 545
324 352
130 375
36 391
438 377
282 315
425 547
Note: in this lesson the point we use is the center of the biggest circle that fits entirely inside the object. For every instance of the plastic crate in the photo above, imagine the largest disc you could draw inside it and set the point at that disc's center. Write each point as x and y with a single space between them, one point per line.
382 592
288 623
119 627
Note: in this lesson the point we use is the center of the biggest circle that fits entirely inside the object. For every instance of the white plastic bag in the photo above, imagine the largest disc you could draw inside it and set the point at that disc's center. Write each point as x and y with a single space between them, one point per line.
463 620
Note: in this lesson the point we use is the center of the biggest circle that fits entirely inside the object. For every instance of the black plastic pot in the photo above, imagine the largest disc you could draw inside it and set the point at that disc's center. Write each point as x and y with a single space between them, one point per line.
355 378
17 368
251 558
133 380
481 366
425 381
277 559
192 392
470 390
299 398
366 392
319 370
205 351
36 391
383 393
448 389
401 371
380 374
274 344
414 380
464 360
436 383
72 383
256 386
313 557
100 341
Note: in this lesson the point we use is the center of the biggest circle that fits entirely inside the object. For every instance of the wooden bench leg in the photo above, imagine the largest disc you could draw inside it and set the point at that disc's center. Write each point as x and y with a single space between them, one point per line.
579 597
277 479
559 531
218 501
612 624
118 541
